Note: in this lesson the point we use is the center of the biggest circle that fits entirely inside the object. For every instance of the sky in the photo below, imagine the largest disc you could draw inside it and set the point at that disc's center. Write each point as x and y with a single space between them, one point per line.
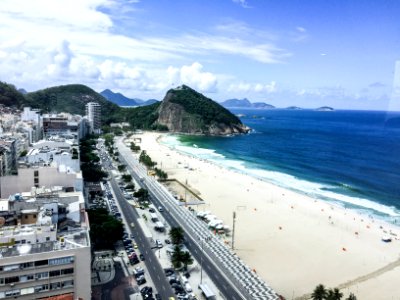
339 53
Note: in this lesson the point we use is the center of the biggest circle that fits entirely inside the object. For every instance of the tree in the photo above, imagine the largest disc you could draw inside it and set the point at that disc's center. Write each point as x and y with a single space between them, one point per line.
142 195
186 259
334 294
23 153
351 297
121 168
105 229
176 257
127 177
176 235
319 292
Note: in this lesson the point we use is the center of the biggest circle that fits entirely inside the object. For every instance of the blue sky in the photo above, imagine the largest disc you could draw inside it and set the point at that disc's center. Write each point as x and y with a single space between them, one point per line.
305 53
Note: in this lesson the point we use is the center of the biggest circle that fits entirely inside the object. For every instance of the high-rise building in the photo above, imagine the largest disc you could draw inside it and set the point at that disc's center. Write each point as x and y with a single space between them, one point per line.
93 112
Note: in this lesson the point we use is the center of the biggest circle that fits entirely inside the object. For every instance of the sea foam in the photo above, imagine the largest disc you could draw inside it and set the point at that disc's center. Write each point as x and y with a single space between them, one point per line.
312 189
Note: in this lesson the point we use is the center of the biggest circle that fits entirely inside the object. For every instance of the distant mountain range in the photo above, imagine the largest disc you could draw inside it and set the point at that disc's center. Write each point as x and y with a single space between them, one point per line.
121 100
245 103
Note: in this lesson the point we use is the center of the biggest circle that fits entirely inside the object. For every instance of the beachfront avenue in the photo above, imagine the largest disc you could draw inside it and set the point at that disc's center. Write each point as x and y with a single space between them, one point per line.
232 277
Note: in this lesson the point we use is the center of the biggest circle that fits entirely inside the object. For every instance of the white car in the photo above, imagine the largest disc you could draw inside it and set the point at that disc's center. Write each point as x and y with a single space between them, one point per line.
159 244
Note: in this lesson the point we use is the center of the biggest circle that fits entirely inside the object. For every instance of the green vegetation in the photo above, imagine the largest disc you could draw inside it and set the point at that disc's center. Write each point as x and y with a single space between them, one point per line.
197 104
176 235
121 168
161 174
142 195
321 293
9 96
134 147
145 159
126 178
23 153
105 230
179 258
91 169
201 112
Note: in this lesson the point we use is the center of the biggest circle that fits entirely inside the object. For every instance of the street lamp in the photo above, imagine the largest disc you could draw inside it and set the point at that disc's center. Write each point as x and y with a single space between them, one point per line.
201 258
234 223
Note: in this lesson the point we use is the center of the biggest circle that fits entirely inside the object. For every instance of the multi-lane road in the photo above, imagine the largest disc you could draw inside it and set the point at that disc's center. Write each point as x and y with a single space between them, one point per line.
231 276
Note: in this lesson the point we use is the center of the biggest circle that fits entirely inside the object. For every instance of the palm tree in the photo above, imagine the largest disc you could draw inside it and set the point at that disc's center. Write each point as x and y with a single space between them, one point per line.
334 294
186 259
351 297
176 235
319 293
176 257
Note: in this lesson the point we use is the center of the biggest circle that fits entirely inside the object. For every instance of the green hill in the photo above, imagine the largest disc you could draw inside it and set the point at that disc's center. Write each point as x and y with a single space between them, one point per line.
9 96
187 111
71 98
182 110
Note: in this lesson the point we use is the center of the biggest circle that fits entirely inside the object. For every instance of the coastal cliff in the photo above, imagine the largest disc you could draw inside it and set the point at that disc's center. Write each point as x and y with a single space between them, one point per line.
184 110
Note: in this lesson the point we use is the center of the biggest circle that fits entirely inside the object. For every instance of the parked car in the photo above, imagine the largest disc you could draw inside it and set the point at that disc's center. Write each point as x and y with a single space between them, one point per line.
159 244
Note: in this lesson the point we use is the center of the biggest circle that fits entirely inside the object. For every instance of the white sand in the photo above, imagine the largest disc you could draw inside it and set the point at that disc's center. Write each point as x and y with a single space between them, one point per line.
292 241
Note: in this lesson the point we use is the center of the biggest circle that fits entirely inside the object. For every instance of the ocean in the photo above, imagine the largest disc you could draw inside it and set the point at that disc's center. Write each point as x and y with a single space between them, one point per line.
351 158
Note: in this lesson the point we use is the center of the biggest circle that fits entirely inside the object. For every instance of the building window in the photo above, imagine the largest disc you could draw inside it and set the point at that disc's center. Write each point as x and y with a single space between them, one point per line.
13 279
36 180
67 271
39 263
61 260
36 173
47 238
54 273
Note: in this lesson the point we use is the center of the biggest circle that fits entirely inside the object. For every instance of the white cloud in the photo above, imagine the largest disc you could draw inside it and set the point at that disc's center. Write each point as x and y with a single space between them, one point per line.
244 87
61 59
193 76
49 42
242 3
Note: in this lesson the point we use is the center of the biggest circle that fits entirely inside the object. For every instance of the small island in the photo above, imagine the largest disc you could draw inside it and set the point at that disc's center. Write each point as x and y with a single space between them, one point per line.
325 108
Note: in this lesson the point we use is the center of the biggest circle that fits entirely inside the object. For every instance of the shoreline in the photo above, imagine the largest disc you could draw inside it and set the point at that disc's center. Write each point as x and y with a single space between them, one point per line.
384 213
284 235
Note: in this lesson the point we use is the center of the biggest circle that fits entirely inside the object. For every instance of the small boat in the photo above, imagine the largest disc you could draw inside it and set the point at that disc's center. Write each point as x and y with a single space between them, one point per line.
386 239
194 145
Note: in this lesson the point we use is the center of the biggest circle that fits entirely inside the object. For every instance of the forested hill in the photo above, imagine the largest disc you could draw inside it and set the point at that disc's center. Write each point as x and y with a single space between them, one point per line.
186 110
9 96
182 110
70 98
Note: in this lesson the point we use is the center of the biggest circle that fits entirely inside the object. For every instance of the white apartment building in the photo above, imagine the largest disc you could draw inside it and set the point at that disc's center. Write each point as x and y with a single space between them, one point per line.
93 112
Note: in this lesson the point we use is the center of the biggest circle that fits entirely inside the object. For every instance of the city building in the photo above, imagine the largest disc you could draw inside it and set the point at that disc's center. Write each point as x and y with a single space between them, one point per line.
93 112
32 123
65 125
45 248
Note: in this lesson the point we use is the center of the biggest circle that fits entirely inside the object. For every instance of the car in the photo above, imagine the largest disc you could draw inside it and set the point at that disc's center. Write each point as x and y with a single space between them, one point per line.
141 280
132 236
169 271
146 290
167 241
134 261
141 256
159 244
158 297
152 210
160 209
135 245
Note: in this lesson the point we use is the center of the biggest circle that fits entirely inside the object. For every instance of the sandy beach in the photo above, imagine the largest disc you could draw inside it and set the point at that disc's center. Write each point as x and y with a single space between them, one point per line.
292 241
